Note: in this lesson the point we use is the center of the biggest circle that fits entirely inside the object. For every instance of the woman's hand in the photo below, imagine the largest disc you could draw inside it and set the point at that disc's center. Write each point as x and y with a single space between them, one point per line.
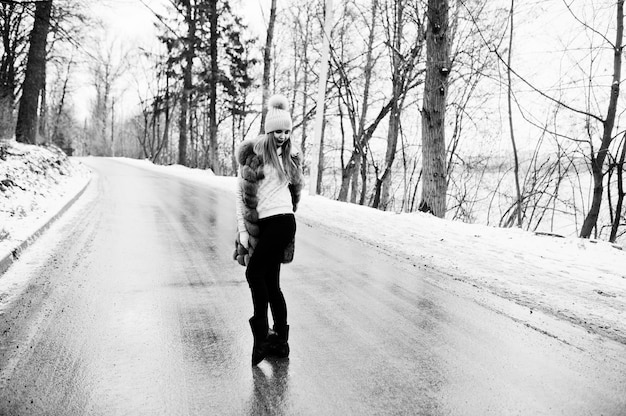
244 239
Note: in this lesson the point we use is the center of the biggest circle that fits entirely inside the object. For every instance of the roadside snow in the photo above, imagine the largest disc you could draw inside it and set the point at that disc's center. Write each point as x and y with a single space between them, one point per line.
580 281
36 182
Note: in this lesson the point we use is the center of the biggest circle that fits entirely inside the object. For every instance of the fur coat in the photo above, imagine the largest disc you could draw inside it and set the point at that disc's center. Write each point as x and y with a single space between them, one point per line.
251 173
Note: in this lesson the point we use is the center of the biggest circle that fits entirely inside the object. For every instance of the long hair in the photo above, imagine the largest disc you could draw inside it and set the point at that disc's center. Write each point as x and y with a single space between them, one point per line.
266 148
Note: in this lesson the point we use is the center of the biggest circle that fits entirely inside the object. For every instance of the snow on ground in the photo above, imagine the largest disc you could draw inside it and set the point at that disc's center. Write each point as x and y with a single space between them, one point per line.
36 183
580 281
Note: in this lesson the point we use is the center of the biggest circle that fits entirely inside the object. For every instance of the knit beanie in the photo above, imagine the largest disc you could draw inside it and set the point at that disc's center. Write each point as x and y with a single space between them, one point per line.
277 117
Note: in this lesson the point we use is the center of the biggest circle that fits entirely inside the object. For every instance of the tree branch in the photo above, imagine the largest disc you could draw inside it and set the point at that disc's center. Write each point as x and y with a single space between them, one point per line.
537 90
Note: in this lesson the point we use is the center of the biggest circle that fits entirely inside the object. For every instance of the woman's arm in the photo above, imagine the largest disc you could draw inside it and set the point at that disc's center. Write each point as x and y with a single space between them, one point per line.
241 225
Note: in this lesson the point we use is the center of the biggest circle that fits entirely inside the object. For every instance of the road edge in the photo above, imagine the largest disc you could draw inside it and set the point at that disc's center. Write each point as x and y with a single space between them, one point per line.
14 254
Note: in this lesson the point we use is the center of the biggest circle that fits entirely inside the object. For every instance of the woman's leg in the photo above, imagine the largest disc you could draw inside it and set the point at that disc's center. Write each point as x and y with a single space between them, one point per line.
258 267
263 272
263 276
276 297
287 226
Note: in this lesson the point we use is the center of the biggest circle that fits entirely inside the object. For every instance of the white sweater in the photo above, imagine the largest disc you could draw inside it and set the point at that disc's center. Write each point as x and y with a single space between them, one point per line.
273 195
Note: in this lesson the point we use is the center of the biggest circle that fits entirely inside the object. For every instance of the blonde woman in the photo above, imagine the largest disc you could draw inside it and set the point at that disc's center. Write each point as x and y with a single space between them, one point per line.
268 192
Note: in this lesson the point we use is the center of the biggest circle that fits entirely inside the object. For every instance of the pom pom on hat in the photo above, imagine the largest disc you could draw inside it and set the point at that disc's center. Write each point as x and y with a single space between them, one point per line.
277 117
278 101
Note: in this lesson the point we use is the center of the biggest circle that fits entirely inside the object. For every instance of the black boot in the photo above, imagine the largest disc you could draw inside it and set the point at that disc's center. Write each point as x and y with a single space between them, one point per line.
278 346
261 345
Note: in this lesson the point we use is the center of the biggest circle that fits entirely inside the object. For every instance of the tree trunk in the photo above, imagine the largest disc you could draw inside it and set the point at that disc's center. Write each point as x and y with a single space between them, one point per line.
392 145
620 194
113 127
7 69
105 108
214 160
166 129
363 176
267 63
320 170
434 185
187 84
350 175
382 196
305 87
42 118
35 78
510 108
597 160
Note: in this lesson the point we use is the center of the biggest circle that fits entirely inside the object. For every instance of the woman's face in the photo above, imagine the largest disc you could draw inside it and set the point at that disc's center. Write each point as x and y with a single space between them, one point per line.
281 136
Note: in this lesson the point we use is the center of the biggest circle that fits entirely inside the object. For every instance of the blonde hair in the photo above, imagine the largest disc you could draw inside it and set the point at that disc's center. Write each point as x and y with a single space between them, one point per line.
266 148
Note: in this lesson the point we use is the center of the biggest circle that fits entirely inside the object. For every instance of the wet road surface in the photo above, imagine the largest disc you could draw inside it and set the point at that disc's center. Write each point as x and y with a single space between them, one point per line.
130 304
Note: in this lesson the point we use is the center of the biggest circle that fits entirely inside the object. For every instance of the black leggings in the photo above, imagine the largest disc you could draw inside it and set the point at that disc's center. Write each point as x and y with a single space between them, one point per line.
263 272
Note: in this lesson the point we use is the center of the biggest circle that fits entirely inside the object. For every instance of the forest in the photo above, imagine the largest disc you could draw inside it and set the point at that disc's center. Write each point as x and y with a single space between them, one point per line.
496 112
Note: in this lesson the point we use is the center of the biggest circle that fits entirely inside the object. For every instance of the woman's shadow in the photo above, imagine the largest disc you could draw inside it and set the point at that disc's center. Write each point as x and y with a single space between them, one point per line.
271 388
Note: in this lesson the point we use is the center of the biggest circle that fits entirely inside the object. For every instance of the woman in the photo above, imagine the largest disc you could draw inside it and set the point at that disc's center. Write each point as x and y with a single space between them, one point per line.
268 191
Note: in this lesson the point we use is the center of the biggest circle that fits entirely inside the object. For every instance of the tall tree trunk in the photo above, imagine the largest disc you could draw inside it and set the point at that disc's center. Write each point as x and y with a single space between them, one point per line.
381 199
113 127
7 71
166 128
510 108
187 84
620 194
434 185
105 108
363 176
214 160
597 160
267 62
355 174
35 78
42 118
320 170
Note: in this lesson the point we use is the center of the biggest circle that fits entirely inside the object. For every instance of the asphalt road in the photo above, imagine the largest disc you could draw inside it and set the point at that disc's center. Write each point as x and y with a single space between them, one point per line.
131 304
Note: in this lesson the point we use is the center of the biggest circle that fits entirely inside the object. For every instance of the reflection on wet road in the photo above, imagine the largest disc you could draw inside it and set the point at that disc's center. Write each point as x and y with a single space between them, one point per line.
131 305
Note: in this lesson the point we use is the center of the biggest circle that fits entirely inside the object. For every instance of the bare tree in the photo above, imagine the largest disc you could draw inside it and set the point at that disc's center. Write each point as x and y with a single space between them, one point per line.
107 67
405 75
510 109
598 158
356 98
58 137
597 155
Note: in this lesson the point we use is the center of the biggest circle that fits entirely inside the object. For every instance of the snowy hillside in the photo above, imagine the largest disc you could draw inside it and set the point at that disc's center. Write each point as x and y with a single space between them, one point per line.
35 184
572 280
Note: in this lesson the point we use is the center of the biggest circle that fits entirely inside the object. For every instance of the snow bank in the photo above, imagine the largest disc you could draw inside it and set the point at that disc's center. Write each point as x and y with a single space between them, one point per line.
36 182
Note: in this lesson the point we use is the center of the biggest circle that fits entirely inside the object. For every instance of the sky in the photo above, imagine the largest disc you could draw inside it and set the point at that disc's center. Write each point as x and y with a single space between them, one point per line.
534 278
